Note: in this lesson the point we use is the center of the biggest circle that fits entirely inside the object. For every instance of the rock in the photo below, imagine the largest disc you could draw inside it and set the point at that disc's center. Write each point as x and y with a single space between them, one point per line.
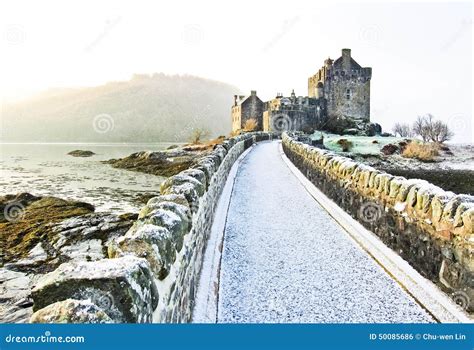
89 250
81 153
163 163
352 131
35 256
151 242
50 231
124 287
46 232
184 179
71 311
174 223
389 149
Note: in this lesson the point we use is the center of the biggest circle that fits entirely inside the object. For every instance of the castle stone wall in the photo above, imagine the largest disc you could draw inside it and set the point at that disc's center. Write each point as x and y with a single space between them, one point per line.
348 94
430 228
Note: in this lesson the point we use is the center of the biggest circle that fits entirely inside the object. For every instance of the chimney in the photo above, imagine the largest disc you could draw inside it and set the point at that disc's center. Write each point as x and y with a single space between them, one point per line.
235 100
346 59
253 93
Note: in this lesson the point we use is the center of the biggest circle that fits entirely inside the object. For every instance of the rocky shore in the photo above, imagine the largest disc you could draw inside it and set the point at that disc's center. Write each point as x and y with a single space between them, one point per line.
40 233
163 163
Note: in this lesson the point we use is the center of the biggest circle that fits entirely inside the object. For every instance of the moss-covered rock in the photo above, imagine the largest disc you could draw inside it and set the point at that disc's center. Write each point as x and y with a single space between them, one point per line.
122 287
34 222
71 311
163 163
81 153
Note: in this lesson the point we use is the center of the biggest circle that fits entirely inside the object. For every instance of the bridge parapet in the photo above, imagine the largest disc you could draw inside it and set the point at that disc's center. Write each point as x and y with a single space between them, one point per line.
152 271
430 228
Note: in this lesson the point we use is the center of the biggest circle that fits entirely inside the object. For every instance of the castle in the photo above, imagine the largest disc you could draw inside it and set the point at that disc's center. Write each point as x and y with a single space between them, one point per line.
338 100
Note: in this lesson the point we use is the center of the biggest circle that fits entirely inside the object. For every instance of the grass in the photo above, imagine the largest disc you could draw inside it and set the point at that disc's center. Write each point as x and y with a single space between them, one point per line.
363 145
426 152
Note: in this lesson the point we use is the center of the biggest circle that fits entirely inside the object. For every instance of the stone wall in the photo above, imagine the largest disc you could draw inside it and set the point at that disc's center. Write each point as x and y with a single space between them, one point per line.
430 228
152 271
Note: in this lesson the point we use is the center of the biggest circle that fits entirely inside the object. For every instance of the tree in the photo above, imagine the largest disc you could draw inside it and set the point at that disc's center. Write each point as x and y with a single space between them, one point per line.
197 135
403 130
440 132
422 127
430 129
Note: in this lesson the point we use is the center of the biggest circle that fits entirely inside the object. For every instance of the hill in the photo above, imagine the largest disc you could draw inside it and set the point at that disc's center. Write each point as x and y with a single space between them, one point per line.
154 108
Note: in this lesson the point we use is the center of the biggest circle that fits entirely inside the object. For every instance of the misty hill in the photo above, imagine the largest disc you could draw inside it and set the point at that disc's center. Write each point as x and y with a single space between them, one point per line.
145 109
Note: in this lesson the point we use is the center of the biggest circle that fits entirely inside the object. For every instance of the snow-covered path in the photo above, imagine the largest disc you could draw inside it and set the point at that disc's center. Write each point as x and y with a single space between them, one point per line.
286 260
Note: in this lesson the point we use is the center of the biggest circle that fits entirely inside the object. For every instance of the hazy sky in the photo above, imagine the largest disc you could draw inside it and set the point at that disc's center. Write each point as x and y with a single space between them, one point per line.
420 53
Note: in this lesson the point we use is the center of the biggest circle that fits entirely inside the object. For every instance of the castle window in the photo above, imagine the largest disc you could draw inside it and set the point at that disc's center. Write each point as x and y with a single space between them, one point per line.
348 94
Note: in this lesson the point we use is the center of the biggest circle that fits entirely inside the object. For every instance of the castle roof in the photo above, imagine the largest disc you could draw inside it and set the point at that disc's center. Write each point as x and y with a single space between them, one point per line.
354 64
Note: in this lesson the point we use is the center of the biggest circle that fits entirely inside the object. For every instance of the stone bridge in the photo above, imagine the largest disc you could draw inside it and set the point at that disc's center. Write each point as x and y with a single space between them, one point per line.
270 230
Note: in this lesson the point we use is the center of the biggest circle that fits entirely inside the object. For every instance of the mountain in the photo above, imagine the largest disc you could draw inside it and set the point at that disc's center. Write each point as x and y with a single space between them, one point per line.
154 108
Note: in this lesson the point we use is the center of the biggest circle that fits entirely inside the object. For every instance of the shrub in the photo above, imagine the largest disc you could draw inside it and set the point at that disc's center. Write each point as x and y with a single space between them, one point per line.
345 144
250 124
235 133
426 152
389 149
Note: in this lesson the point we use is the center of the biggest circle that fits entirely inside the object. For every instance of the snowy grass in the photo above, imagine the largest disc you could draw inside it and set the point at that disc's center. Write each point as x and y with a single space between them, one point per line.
369 145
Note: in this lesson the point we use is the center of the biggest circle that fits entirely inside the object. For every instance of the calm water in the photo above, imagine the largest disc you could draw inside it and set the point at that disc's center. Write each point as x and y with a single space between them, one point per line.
47 169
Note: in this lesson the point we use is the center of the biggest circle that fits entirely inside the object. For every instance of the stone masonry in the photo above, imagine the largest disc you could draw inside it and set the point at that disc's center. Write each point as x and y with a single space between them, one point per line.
338 100
152 271
430 228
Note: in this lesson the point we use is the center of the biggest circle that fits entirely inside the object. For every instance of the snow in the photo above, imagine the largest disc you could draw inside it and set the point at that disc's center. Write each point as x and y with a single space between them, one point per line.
35 255
207 293
400 206
361 144
286 260
81 251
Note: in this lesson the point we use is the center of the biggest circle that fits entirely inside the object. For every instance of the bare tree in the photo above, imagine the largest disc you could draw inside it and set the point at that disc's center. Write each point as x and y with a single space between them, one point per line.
197 135
403 130
422 127
440 132
430 129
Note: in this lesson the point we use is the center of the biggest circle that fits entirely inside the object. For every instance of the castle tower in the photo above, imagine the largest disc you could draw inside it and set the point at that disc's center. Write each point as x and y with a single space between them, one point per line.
345 85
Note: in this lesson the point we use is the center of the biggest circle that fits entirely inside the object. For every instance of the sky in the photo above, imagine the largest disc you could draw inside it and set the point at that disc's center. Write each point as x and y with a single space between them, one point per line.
420 53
